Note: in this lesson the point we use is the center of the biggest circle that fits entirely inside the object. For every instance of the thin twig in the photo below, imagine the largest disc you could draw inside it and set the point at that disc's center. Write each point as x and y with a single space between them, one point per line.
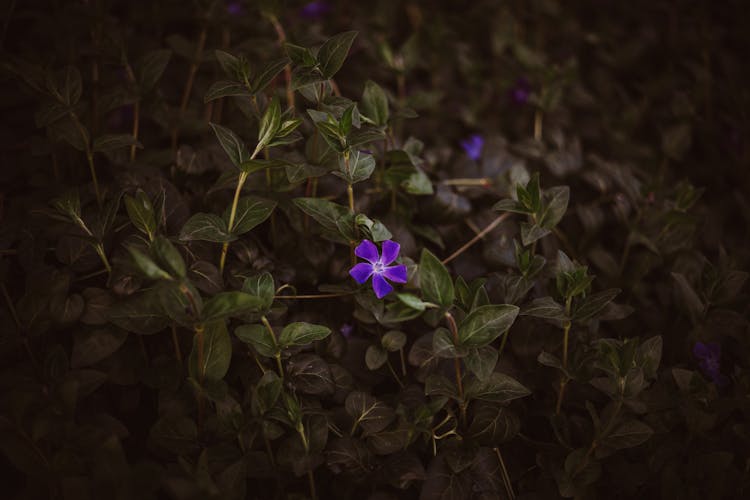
476 238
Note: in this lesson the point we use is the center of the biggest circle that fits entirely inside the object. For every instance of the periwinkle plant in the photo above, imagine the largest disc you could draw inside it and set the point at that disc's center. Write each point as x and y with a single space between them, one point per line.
252 262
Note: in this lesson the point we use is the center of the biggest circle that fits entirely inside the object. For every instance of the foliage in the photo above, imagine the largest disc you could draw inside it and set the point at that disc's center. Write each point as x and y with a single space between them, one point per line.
556 309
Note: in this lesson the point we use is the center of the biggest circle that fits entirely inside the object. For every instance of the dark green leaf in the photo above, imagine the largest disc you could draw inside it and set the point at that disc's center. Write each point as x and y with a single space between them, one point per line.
485 324
269 123
168 256
393 340
375 357
359 167
628 435
267 392
111 142
147 266
150 68
493 424
251 211
593 304
443 345
375 103
310 375
141 213
301 333
368 413
232 144
259 338
481 362
497 388
229 63
226 88
227 304
90 347
261 286
434 280
206 227
217 352
325 212
333 52
267 74
546 308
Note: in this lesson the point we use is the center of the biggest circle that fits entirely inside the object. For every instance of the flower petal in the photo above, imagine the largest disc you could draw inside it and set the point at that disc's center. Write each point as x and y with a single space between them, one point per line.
397 274
701 351
381 286
368 251
361 272
390 252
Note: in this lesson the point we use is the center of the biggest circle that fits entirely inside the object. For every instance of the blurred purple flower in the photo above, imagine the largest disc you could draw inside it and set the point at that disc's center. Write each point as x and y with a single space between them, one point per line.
709 361
346 330
235 8
377 266
314 10
473 146
521 91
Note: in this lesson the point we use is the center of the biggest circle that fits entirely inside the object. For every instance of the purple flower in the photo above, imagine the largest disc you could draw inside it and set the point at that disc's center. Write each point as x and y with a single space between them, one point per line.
377 266
521 91
346 330
234 8
314 10
473 146
709 356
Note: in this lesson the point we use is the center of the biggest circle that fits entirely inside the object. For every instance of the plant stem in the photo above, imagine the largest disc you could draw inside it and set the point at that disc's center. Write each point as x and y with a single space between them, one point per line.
319 296
189 83
476 238
538 124
199 331
276 343
457 364
103 256
566 337
393 372
481 182
176 342
281 35
505 476
232 214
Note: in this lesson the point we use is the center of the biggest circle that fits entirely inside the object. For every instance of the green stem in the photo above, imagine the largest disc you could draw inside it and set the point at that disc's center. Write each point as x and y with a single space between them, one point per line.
276 343
566 338
393 372
103 256
457 364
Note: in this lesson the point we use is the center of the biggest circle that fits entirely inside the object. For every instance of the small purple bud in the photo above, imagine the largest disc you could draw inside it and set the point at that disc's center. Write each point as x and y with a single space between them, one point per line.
346 330
314 10
473 146
235 8
521 91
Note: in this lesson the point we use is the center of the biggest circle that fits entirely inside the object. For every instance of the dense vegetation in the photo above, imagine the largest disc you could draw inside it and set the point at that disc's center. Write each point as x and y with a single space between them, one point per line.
374 250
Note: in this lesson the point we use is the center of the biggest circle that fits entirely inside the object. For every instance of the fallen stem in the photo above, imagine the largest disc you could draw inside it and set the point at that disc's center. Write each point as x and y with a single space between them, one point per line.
476 238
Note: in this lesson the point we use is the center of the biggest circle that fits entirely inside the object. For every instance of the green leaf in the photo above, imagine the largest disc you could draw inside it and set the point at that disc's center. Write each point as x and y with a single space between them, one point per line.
649 356
206 227
497 388
485 324
531 233
301 333
267 392
333 52
140 313
269 123
232 144
251 211
375 103
555 209
493 424
412 301
325 212
147 266
261 286
217 353
66 84
68 204
251 166
439 385
226 304
150 68
373 230
546 308
481 362
628 435
310 374
226 88
358 168
267 74
169 256
434 280
594 303
90 347
111 142
375 357
443 345
393 340
141 213
229 63
176 304
368 413
259 338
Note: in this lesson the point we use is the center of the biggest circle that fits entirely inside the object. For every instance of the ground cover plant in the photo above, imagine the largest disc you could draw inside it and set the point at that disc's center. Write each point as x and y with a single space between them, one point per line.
377 250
